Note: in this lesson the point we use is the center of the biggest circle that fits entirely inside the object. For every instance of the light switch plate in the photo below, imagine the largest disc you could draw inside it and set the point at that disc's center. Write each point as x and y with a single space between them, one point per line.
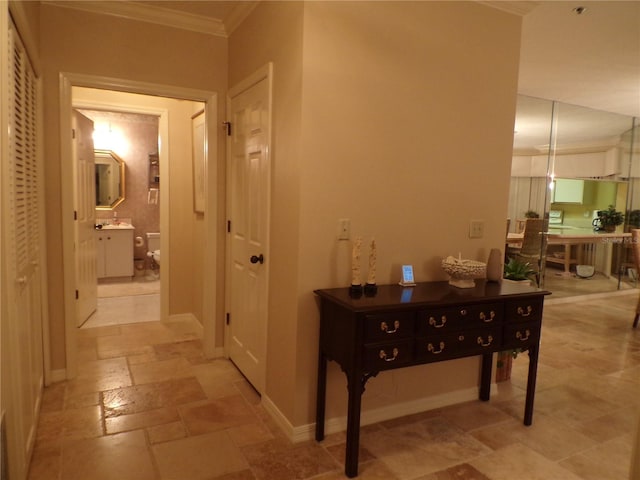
476 229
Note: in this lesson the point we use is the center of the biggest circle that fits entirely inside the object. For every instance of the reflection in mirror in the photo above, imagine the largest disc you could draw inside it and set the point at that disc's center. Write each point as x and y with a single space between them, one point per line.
109 179
594 150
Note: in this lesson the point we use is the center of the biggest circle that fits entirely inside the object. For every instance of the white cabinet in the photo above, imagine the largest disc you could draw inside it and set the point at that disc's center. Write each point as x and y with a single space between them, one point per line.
570 190
114 253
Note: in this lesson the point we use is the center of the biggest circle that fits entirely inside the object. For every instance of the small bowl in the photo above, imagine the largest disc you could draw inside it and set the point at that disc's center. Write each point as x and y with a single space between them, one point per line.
463 271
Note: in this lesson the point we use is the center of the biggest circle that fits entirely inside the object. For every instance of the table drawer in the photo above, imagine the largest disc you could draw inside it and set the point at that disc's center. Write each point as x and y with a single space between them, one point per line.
473 342
525 310
388 326
453 319
520 334
388 355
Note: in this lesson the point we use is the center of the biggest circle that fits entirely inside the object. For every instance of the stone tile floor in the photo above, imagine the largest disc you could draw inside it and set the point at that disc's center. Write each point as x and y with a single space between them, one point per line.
146 405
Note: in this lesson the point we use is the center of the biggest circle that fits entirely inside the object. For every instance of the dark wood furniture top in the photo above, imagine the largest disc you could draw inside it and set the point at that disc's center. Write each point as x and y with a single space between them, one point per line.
430 322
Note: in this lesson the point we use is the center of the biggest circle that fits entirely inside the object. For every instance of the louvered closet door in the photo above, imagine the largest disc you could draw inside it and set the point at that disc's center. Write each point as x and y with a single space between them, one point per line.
21 220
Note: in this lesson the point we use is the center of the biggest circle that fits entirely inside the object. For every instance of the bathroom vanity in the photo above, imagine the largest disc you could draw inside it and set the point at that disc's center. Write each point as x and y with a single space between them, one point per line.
114 251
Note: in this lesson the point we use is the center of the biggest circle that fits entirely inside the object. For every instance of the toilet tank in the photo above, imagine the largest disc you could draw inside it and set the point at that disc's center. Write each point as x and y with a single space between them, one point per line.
153 241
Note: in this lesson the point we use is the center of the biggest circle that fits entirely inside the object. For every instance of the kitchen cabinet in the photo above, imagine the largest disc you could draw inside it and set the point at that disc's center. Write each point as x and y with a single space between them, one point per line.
114 252
571 190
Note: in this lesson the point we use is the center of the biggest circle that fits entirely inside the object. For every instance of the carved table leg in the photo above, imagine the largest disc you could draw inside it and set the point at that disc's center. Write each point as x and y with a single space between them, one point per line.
321 396
485 376
355 385
531 384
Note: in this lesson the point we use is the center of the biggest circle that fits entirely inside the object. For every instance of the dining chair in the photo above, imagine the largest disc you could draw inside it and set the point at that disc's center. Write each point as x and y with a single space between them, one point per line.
635 248
531 248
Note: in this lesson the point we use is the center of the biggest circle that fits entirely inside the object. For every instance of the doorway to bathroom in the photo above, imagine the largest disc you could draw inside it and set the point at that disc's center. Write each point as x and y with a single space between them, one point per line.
194 264
123 264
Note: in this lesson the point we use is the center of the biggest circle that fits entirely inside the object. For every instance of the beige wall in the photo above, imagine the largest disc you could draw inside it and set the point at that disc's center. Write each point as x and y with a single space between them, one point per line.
273 33
406 129
389 114
85 43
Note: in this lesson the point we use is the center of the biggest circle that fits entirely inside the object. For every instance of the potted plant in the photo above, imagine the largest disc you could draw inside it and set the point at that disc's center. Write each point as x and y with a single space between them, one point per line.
634 218
518 271
610 218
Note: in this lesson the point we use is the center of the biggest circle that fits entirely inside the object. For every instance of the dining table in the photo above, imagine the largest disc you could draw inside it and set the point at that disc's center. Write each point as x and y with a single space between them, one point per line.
578 245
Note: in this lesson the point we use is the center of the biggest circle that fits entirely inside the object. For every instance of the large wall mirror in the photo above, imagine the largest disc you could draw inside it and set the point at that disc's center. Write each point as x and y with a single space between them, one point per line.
109 176
562 145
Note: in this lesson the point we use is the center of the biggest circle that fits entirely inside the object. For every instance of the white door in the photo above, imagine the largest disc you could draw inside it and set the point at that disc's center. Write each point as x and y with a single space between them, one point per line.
85 207
249 193
22 266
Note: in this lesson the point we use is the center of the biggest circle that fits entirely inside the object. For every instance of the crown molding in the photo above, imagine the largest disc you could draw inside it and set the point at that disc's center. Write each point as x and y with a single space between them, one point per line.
518 8
240 11
157 15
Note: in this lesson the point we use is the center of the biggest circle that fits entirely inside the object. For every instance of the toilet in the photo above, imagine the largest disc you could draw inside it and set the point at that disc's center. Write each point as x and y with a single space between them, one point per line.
153 246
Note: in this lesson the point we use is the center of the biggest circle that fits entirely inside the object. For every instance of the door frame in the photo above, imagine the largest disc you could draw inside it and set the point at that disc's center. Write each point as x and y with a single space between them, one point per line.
210 302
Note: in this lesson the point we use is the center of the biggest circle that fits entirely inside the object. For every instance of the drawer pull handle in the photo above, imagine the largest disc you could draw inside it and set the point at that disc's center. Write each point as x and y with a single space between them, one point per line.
482 343
385 328
521 311
463 312
527 334
432 349
383 355
488 319
434 323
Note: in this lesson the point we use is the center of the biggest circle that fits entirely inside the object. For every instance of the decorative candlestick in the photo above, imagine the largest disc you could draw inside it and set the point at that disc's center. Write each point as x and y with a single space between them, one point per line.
356 279
370 288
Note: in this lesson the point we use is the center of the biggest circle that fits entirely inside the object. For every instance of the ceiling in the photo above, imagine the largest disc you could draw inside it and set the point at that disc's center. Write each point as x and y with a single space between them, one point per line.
590 59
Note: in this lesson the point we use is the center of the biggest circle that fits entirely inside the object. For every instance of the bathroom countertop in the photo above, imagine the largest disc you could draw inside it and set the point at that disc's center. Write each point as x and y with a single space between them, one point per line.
120 226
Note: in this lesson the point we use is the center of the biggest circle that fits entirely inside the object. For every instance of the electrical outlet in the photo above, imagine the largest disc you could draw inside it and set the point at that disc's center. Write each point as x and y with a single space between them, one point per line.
344 229
476 229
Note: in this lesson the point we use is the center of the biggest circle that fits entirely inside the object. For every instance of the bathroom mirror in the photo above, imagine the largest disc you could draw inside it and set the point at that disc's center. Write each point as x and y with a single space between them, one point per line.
109 179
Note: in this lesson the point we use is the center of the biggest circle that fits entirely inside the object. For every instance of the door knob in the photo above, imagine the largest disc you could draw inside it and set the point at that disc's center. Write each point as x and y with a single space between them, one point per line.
98 226
255 259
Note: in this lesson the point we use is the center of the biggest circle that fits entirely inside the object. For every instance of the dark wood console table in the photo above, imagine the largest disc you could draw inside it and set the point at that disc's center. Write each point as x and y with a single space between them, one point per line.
430 322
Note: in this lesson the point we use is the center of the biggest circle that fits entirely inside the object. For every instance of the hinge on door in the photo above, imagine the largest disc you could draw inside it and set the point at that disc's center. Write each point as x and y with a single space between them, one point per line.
228 318
227 126
228 226
73 133
77 294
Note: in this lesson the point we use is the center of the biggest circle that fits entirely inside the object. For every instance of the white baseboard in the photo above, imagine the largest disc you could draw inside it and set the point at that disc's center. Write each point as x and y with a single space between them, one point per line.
333 425
188 317
58 375
278 416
